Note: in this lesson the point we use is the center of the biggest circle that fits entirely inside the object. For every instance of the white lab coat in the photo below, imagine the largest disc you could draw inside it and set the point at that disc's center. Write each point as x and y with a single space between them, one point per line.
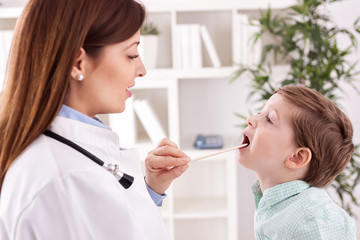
54 192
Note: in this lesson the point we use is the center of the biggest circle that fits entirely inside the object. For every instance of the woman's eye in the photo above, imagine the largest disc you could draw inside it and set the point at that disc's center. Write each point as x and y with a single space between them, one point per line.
133 57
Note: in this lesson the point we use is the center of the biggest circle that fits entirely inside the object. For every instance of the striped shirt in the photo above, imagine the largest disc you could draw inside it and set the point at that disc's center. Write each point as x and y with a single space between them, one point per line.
295 210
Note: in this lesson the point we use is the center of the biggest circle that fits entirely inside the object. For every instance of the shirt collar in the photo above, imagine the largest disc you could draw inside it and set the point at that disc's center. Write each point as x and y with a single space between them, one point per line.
71 113
278 193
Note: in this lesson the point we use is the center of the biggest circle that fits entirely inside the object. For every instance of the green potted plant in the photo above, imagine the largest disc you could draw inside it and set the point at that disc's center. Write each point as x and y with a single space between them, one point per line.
149 42
304 38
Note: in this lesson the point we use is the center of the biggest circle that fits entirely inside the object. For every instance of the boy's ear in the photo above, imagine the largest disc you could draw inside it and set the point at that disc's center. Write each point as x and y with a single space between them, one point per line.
78 66
299 159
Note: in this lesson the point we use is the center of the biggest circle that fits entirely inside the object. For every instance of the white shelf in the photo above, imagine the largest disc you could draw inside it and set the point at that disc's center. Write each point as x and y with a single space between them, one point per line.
222 72
263 4
208 72
157 80
205 207
196 6
198 229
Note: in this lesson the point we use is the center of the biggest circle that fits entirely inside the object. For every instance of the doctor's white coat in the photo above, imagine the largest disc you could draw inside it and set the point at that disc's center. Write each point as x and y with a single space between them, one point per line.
54 192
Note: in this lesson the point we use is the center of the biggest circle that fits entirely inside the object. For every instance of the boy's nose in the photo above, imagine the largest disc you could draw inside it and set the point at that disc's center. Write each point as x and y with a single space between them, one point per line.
251 121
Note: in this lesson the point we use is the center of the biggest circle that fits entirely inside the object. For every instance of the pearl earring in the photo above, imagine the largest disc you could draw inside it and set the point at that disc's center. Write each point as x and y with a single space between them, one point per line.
80 77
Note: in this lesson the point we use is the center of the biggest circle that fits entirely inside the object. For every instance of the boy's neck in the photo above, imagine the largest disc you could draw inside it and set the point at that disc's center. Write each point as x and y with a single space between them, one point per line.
266 183
267 180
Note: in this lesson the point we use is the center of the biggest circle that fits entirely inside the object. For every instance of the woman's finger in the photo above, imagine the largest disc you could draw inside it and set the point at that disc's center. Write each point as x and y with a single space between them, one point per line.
159 162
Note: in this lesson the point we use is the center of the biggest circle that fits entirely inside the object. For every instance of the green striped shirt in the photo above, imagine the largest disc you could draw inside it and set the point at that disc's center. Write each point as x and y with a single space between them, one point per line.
294 210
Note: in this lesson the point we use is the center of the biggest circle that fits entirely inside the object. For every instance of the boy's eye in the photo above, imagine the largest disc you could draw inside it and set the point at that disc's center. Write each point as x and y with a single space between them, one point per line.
268 119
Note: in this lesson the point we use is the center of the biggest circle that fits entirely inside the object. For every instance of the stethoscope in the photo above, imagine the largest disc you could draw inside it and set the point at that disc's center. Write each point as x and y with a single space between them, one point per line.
124 179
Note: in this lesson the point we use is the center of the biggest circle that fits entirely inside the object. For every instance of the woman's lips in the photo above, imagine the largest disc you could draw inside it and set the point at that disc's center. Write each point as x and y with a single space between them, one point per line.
128 92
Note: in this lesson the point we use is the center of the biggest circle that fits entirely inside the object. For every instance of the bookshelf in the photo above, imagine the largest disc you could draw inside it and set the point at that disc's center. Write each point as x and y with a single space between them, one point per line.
205 202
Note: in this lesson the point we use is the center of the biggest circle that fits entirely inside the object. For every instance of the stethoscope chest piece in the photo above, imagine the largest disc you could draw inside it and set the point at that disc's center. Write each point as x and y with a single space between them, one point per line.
124 179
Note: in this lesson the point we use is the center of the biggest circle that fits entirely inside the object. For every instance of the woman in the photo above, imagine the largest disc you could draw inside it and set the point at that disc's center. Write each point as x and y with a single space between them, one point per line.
71 60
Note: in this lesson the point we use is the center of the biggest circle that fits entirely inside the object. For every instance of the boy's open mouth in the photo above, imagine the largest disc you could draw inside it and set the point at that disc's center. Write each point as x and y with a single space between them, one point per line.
246 140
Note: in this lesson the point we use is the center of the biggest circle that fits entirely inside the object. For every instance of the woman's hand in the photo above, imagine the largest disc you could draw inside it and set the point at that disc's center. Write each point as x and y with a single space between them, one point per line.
164 164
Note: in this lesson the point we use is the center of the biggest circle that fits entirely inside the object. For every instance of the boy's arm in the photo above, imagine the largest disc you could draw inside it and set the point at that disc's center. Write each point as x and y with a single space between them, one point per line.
325 229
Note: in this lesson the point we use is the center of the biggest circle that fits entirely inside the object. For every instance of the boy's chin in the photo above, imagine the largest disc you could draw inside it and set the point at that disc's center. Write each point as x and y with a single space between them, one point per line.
242 161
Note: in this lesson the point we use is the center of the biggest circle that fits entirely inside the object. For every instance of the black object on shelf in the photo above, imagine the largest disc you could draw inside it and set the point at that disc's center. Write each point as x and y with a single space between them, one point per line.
208 141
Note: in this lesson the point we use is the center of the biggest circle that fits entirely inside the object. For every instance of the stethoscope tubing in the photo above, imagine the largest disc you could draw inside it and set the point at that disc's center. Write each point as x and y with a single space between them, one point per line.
124 179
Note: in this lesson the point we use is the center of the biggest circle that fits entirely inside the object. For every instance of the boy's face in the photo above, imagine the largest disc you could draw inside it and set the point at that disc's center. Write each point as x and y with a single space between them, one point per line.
271 138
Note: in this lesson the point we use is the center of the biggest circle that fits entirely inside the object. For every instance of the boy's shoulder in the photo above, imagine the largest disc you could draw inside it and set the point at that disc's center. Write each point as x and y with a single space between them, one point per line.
322 217
316 203
295 209
298 197
318 216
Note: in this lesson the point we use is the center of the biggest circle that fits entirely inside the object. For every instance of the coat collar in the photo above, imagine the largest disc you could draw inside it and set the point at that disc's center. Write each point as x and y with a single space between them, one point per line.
83 133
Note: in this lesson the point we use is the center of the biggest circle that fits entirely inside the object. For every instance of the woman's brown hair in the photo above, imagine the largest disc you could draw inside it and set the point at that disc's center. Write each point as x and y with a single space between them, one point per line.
323 128
48 36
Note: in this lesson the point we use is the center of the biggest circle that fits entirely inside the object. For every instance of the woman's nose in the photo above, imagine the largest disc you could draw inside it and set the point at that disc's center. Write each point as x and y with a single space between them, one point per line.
141 69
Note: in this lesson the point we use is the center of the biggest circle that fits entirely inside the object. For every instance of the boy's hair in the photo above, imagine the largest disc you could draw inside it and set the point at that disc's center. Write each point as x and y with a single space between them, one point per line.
323 128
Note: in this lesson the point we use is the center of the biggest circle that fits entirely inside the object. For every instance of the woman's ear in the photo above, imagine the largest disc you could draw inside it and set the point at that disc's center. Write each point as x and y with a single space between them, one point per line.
77 72
299 159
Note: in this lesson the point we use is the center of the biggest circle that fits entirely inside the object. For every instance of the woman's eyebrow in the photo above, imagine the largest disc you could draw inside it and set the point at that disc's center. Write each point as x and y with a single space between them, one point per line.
132 44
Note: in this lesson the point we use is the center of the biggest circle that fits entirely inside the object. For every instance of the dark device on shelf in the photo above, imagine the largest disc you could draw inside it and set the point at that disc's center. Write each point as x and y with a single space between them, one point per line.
208 141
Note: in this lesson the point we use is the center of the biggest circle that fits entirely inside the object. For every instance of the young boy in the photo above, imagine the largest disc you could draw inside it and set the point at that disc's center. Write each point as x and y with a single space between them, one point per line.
298 144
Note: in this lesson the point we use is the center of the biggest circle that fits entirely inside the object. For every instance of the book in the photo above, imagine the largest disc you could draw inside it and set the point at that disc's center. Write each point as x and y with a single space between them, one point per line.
195 46
245 51
244 39
149 120
210 47
237 46
190 51
255 48
185 46
124 124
